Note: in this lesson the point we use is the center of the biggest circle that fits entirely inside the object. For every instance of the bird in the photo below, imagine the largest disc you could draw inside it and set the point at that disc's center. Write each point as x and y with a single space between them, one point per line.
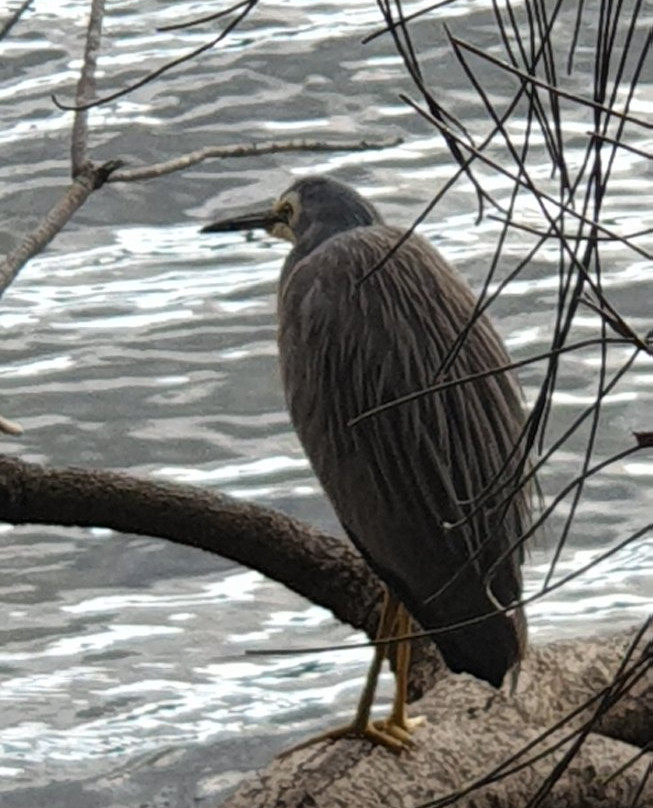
426 488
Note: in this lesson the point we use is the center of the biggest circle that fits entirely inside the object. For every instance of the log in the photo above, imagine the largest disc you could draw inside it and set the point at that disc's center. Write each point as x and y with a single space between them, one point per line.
472 730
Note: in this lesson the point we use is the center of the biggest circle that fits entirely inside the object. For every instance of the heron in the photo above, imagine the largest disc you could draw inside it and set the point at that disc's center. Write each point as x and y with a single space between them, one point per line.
425 489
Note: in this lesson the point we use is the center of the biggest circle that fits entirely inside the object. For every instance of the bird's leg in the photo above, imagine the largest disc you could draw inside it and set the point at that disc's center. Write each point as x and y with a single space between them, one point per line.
361 726
397 724
389 612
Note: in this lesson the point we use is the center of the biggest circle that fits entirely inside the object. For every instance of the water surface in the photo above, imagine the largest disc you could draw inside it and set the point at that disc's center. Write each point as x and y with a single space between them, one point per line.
135 344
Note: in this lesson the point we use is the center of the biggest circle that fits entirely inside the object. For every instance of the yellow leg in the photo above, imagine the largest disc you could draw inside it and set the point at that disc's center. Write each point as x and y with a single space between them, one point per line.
361 726
389 612
397 724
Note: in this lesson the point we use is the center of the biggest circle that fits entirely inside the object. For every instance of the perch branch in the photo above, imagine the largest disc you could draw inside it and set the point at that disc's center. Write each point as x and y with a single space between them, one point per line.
483 750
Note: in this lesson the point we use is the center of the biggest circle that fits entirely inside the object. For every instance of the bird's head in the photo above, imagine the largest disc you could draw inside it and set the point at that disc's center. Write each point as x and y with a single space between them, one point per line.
307 213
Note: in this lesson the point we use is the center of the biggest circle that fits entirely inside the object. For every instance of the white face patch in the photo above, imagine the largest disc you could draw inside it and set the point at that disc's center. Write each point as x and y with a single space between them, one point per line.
282 230
288 205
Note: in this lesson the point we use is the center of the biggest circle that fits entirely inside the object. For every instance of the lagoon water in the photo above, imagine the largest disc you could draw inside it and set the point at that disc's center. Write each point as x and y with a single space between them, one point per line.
134 344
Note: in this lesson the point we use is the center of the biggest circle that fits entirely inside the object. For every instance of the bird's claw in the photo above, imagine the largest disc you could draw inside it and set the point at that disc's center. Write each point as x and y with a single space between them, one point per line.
386 732
400 729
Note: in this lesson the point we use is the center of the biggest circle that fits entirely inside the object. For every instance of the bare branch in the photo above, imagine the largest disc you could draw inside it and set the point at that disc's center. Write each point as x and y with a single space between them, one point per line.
618 325
86 87
539 195
254 149
13 19
90 178
544 234
644 439
621 145
407 18
325 569
529 79
438 387
160 71
201 20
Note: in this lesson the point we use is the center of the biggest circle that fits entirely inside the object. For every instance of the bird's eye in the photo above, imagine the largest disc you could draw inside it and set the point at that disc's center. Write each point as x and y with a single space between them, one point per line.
286 210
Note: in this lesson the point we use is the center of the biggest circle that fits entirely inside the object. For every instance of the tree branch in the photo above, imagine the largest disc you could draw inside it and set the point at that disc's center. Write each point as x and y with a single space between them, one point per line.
93 176
90 178
73 198
10 427
86 87
252 150
9 23
150 77
324 569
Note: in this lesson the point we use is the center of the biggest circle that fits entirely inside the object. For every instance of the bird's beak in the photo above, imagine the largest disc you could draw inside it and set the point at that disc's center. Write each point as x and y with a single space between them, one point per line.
248 221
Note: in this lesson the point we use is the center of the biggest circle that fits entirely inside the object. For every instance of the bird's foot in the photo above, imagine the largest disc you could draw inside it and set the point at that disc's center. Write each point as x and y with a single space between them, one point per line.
400 728
396 739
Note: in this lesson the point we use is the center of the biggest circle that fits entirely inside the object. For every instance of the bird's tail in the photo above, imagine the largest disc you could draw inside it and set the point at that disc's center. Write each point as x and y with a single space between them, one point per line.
487 649
488 642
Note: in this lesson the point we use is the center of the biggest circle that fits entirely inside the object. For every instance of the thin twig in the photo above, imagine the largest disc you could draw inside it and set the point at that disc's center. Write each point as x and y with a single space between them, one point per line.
621 145
525 77
643 751
470 621
390 26
13 19
201 20
472 377
547 234
539 195
160 71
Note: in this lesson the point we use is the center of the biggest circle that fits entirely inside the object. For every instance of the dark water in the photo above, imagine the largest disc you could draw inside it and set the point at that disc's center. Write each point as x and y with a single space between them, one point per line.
133 343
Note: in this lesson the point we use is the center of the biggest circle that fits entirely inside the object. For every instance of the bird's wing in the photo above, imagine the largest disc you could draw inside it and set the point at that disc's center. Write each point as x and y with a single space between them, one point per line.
407 482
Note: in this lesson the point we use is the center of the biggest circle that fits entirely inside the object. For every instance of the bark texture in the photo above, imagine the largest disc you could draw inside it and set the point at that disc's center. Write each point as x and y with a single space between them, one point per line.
471 731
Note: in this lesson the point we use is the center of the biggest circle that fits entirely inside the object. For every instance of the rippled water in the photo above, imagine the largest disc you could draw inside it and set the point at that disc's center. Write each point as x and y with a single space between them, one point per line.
135 344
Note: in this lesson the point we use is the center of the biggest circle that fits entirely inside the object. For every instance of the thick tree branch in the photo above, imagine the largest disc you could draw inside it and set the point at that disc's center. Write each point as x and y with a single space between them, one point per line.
326 570
255 536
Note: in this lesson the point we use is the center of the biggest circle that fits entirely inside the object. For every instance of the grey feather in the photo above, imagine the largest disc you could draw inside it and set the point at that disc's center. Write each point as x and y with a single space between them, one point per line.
400 479
397 479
